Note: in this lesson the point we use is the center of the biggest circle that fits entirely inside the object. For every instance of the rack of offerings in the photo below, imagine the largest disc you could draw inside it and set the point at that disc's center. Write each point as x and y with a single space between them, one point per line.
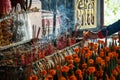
42 60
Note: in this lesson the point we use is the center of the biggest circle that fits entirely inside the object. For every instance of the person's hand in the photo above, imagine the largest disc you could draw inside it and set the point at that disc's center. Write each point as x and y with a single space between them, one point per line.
90 35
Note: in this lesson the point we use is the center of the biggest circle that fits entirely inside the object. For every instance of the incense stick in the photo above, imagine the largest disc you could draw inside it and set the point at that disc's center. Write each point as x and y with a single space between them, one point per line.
106 39
75 33
38 35
33 31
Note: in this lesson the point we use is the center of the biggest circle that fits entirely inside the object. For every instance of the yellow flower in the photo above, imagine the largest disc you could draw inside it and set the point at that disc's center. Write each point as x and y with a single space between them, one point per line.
49 77
76 50
52 72
65 69
115 47
69 57
101 54
95 78
90 52
107 49
115 72
96 50
46 78
101 73
84 65
71 66
62 78
33 77
98 60
118 47
79 72
115 54
107 58
77 60
110 54
90 61
91 69
75 55
87 55
118 69
112 77
73 77
70 61
43 72
102 62
107 77
86 49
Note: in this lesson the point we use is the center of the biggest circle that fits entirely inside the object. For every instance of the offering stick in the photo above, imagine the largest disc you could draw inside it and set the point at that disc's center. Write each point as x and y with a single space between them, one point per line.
82 53
105 45
38 34
119 37
106 39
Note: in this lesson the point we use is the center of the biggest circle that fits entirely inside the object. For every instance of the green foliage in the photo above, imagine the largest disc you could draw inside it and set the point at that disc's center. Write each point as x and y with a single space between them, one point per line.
111 11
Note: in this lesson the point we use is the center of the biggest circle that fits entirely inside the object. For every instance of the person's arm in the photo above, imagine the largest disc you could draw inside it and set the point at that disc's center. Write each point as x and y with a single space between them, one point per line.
113 28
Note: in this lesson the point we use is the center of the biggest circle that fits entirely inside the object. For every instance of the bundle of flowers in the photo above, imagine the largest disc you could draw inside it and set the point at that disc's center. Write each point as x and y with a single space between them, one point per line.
93 62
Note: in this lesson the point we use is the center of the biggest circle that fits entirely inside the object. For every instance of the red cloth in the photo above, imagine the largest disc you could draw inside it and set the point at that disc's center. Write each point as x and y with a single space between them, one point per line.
100 35
5 6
